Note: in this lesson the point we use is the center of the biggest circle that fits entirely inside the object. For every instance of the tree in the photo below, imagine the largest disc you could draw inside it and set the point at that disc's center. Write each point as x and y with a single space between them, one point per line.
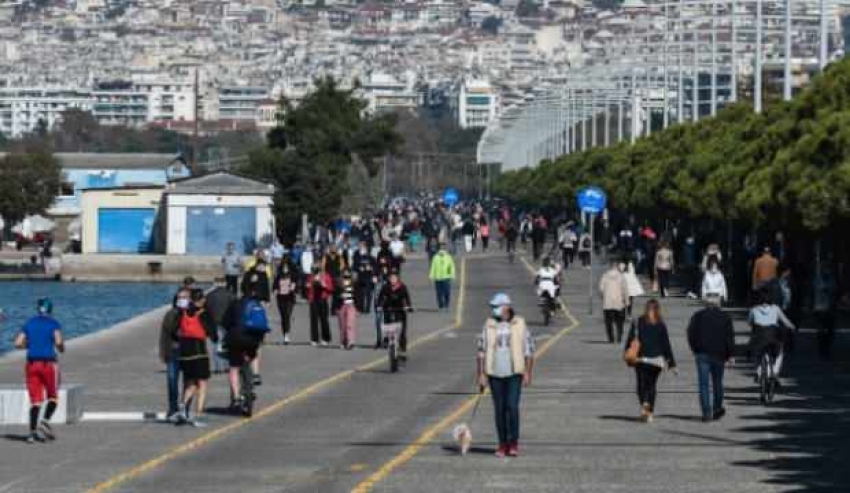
491 25
28 185
310 152
527 8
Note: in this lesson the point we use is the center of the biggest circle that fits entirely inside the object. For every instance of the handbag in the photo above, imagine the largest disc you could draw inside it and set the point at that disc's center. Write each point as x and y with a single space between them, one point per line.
631 355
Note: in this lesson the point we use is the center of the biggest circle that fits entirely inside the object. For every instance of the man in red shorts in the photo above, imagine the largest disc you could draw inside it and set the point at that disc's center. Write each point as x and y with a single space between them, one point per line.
41 336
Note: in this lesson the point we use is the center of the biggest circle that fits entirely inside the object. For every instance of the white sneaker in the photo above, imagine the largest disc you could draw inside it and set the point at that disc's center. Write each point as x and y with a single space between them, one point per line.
286 339
313 343
324 343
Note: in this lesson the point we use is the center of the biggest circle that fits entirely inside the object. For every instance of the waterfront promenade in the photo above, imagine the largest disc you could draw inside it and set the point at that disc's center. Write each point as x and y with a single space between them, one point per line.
333 420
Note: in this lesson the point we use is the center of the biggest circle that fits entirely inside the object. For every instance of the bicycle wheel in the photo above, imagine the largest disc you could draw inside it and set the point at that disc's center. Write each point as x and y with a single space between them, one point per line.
248 395
771 385
393 355
764 379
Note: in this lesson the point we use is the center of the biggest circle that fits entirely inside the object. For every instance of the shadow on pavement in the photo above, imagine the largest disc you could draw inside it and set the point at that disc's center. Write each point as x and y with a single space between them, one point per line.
806 429
15 438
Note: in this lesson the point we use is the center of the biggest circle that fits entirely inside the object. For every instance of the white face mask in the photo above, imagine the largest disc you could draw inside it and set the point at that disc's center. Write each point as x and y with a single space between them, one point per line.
182 303
621 267
497 312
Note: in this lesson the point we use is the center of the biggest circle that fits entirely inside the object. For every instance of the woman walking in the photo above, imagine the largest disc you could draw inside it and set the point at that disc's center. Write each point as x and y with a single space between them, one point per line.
285 286
664 268
195 327
347 313
655 354
320 287
505 363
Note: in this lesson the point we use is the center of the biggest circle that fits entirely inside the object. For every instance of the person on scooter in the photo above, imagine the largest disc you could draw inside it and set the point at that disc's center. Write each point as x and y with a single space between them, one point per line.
548 283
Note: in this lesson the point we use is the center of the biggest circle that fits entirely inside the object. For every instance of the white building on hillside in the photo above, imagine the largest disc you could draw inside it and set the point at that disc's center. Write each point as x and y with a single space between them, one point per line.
23 108
384 92
476 104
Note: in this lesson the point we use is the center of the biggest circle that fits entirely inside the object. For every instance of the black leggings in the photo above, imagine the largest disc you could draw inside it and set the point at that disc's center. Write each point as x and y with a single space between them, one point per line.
285 305
663 282
647 383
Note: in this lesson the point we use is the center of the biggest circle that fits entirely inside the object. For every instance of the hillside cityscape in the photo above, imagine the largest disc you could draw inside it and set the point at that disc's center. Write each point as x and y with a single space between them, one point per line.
166 63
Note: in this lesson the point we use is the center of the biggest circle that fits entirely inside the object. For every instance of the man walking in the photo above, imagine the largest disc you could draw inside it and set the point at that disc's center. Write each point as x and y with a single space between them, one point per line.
443 273
711 336
232 263
41 336
615 298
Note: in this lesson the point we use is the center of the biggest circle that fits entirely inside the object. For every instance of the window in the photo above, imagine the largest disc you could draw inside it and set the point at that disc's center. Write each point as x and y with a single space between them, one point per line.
66 189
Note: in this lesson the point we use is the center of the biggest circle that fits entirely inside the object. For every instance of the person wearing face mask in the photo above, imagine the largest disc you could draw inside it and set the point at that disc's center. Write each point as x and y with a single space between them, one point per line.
713 283
615 298
505 363
196 325
168 349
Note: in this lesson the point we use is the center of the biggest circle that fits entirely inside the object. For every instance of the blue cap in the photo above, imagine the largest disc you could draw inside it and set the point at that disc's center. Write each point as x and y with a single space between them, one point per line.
500 299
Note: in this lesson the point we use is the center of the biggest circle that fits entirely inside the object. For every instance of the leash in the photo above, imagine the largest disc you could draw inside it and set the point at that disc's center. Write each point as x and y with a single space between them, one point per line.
475 408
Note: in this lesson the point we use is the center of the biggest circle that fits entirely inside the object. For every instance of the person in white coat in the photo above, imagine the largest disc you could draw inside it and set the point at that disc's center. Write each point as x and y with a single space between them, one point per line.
635 288
713 283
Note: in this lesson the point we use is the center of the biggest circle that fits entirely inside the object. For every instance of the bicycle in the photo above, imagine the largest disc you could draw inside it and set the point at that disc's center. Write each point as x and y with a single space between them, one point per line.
390 333
768 381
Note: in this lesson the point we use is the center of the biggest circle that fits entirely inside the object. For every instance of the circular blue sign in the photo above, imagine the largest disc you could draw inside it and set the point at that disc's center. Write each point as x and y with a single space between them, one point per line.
591 200
451 197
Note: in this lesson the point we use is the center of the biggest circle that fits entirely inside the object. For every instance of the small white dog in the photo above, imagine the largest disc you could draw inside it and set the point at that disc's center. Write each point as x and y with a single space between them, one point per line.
463 436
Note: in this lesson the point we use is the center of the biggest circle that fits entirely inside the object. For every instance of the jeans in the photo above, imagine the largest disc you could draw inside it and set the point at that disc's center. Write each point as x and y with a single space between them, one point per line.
444 290
506 393
614 318
364 295
232 283
710 368
647 383
172 374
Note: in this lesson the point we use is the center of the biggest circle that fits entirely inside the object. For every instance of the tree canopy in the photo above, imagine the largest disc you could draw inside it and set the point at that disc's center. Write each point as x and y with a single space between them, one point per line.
788 167
28 184
310 152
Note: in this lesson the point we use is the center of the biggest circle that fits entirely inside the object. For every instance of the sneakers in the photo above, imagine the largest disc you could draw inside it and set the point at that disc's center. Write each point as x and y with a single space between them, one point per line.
46 430
314 343
719 413
34 437
199 422
501 451
182 416
286 340
513 450
645 413
324 343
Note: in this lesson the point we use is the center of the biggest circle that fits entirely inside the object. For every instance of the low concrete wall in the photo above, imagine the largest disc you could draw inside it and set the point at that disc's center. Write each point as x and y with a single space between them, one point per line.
140 268
15 405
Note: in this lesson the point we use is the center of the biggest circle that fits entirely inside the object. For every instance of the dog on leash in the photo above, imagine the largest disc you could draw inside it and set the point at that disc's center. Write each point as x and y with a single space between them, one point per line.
463 436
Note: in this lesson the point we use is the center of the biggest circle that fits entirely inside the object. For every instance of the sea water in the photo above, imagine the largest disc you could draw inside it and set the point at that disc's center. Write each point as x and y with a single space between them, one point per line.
81 308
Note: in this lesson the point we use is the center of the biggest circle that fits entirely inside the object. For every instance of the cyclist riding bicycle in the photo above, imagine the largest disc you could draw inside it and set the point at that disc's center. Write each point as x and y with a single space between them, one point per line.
548 279
394 303
242 344
768 324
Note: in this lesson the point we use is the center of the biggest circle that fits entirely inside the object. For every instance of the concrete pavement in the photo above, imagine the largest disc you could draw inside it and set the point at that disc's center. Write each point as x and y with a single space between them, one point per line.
335 422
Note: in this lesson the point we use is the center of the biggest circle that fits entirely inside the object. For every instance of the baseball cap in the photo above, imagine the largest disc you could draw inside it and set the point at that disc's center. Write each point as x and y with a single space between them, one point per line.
500 299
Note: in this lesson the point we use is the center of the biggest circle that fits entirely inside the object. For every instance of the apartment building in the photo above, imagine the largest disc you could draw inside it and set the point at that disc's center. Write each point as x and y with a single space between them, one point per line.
475 103
23 109
383 92
241 102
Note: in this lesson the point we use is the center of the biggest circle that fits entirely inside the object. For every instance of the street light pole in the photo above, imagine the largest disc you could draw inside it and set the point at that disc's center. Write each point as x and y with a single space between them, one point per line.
786 77
758 62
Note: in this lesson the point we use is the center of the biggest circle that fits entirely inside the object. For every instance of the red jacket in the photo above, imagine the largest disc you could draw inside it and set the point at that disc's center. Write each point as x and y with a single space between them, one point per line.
325 292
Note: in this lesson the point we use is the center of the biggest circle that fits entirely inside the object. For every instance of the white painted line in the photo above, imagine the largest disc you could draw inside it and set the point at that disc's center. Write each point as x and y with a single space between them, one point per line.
123 416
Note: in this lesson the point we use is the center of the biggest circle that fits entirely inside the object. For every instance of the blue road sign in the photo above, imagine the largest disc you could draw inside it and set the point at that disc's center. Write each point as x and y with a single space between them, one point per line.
450 197
591 200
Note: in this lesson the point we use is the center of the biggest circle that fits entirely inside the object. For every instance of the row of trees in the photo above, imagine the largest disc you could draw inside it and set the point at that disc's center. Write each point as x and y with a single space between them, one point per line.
310 155
787 168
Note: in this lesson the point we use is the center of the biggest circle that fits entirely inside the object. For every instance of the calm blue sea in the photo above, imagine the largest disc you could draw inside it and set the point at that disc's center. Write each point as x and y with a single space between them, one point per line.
81 308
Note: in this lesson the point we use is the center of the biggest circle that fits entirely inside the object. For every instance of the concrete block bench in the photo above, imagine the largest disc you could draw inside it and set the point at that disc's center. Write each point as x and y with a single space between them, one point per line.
15 404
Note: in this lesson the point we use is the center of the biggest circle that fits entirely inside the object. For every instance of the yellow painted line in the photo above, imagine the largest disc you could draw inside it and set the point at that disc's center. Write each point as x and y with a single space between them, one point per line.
428 435
276 407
